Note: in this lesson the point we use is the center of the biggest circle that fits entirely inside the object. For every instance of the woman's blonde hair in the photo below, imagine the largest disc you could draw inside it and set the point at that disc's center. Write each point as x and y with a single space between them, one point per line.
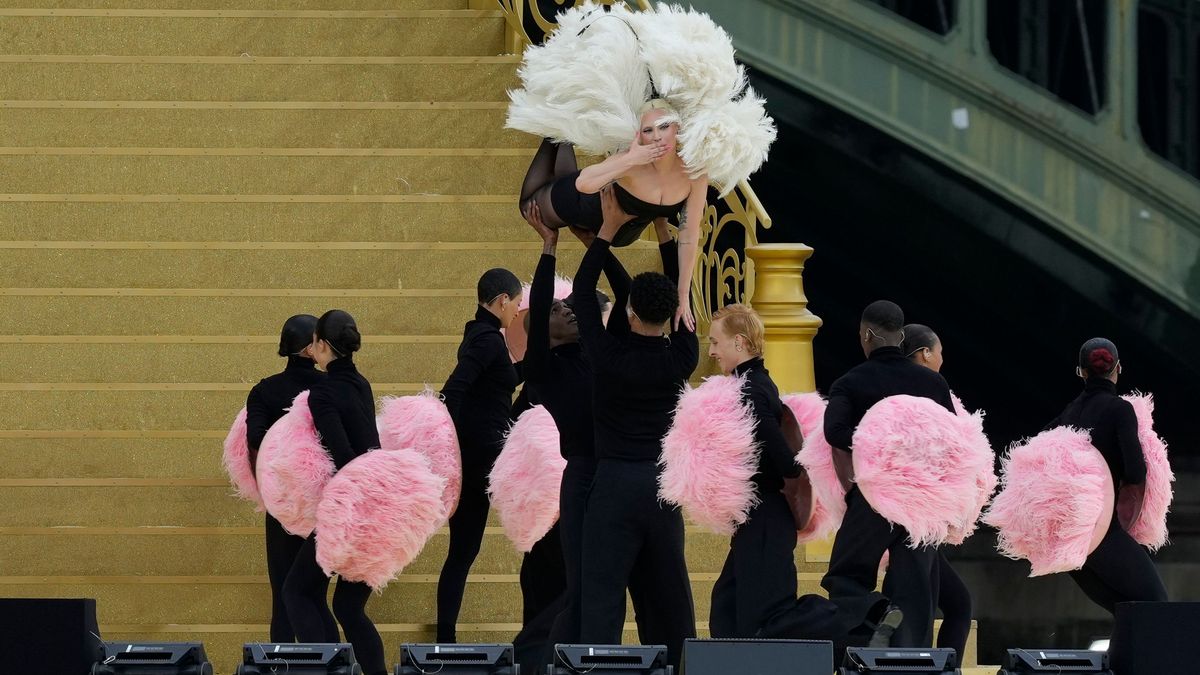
741 320
659 104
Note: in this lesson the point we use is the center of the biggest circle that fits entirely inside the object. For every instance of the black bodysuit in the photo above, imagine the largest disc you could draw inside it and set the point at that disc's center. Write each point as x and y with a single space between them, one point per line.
1119 570
582 209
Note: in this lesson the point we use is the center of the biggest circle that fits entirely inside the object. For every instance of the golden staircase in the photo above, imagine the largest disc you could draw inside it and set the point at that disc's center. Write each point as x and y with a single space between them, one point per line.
176 178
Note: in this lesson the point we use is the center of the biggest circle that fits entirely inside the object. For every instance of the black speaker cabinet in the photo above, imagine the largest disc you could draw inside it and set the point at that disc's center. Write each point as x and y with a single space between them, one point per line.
610 660
899 661
1153 638
49 636
270 658
456 659
757 657
153 658
1068 661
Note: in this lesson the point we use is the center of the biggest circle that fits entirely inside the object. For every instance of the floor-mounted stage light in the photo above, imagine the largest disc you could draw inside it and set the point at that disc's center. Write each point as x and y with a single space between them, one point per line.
896 661
153 658
610 660
269 658
457 659
1072 661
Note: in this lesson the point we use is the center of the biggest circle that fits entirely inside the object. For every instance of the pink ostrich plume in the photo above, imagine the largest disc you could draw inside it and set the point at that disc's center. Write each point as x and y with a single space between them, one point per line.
293 468
377 514
1055 502
236 460
422 423
710 455
828 497
526 478
920 466
1150 502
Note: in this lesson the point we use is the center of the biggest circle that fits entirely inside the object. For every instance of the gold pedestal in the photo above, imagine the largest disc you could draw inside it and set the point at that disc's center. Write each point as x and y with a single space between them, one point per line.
779 299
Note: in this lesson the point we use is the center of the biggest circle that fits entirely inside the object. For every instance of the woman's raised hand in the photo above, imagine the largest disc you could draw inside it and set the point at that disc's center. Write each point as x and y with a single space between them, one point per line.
639 154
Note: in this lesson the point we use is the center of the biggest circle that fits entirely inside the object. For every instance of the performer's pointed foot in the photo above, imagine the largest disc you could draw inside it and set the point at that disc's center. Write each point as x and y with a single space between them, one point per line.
886 627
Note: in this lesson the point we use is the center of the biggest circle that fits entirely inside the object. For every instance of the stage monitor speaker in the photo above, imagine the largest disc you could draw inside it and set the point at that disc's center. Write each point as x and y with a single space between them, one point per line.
1077 661
1150 638
457 659
49 635
305 658
610 660
153 658
897 661
757 657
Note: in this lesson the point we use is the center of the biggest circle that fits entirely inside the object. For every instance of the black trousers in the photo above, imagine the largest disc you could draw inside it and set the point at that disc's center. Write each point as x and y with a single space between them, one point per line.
954 601
911 580
572 504
282 548
755 595
466 536
543 588
1119 570
304 595
626 530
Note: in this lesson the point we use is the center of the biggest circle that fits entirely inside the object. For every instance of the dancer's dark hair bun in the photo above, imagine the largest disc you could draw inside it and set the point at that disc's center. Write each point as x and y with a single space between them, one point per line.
297 334
337 328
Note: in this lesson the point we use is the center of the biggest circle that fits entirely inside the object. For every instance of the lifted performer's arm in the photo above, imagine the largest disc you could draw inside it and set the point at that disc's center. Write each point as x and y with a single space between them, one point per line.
596 176
689 243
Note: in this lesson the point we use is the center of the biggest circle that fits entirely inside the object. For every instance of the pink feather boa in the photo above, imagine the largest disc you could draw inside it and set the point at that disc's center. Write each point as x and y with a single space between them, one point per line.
828 498
526 478
921 466
377 514
422 422
293 468
709 455
1055 503
236 460
1155 496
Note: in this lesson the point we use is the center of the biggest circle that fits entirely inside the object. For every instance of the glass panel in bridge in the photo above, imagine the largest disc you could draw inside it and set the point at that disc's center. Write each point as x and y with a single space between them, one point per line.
937 16
1168 77
1059 46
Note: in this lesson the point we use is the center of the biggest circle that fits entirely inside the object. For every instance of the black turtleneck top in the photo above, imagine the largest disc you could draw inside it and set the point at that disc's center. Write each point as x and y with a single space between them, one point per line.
272 396
1113 426
776 459
479 392
636 378
886 372
343 410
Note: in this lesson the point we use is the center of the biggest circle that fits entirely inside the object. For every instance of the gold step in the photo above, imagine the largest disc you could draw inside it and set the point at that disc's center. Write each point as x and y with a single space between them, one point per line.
255 175
399 359
133 311
175 125
99 458
300 79
203 551
211 600
283 266
290 5
395 222
406 32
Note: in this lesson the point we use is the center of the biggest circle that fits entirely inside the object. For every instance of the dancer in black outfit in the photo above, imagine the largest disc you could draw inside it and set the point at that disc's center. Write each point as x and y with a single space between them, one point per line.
755 595
343 410
1119 570
864 535
923 347
637 373
478 394
265 404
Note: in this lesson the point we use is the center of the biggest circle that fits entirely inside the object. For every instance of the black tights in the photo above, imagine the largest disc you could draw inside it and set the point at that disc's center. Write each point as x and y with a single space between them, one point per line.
281 553
304 594
466 535
552 161
954 599
1119 570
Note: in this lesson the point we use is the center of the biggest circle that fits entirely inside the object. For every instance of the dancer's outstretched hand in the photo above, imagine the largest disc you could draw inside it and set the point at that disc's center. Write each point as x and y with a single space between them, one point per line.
684 313
533 216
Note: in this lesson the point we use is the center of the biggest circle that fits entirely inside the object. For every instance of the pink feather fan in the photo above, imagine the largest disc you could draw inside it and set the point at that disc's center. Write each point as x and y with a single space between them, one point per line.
828 497
377 514
1055 502
709 455
293 468
921 466
422 424
1154 497
236 460
526 478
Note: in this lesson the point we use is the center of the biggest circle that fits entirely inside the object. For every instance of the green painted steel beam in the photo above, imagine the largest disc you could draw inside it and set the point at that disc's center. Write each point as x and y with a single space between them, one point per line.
1090 177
